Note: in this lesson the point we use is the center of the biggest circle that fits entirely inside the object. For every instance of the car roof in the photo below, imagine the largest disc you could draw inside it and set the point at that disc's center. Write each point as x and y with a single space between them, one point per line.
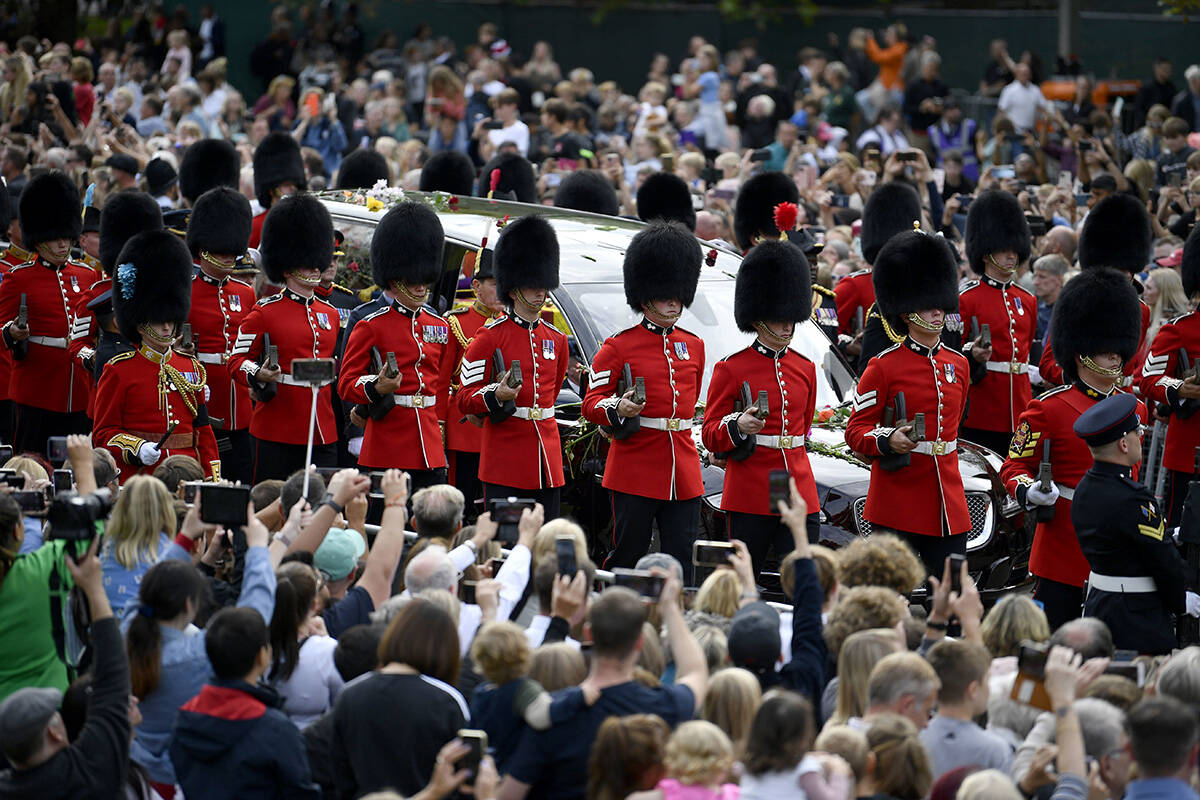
592 246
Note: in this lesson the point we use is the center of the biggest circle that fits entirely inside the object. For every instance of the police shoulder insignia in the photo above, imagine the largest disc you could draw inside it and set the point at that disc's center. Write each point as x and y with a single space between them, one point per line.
1024 440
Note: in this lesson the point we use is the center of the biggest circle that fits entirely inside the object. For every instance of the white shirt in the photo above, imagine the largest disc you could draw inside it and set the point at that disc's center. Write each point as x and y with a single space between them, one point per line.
513 577
314 684
535 634
1021 103
517 133
888 142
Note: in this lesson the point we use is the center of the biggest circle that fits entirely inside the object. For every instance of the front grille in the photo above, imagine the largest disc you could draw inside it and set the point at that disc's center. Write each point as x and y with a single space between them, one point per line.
979 504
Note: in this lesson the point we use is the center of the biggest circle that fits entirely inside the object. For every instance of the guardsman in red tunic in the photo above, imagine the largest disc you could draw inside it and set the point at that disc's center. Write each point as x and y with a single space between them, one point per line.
998 243
1167 380
297 245
11 257
916 490
1116 233
653 469
50 392
150 402
125 214
217 234
89 239
463 436
772 297
1096 332
278 172
521 454
402 428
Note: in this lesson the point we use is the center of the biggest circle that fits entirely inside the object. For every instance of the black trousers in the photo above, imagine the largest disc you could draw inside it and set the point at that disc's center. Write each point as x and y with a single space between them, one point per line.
237 455
464 468
933 550
8 416
1061 601
551 499
1177 487
633 521
763 532
279 460
997 441
35 425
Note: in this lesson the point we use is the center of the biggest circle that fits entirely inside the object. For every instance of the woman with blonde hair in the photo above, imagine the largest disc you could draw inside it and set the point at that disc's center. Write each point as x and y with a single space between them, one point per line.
989 784
719 594
698 758
17 78
733 698
627 756
1014 619
276 104
1140 173
860 652
1166 298
901 769
30 467
139 530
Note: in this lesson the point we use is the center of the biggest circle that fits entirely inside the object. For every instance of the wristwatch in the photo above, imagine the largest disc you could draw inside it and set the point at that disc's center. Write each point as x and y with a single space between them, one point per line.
329 501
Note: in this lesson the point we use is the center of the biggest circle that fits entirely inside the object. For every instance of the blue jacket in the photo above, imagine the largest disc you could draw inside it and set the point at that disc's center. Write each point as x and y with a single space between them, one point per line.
231 740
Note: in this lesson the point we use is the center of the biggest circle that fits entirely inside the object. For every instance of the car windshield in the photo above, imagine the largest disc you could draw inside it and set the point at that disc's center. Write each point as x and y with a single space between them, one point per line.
711 318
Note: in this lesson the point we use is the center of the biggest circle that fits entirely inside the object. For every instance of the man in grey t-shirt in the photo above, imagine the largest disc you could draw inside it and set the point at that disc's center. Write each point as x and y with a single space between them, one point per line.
952 738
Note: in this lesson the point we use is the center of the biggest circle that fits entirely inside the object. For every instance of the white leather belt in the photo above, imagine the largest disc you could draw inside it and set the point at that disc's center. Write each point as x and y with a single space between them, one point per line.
666 424
1065 492
1011 367
779 442
526 412
288 380
415 400
212 358
49 341
938 448
1141 584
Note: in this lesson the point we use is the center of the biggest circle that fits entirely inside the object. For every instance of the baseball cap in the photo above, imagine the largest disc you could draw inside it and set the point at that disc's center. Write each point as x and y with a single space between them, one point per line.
123 162
339 553
1173 260
25 712
754 642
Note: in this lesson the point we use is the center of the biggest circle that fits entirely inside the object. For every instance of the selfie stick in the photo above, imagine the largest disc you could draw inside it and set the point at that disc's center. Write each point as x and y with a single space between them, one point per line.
312 425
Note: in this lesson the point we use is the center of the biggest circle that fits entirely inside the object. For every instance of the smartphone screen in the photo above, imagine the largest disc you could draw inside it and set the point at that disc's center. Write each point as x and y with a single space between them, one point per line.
56 449
64 479
564 547
956 562
478 742
777 481
707 553
224 505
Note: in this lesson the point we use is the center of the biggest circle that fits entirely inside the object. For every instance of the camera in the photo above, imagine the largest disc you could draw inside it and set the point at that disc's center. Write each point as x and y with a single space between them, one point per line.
313 371
224 505
647 585
506 513
709 553
73 516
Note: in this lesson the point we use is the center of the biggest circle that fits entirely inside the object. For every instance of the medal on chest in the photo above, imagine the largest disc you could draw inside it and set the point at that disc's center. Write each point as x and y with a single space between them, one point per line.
949 369
323 321
681 351
435 334
954 322
1020 308
548 349
235 302
74 284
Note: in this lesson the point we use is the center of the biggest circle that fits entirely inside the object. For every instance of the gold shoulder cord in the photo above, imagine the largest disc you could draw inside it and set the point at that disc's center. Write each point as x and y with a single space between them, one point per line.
896 338
168 376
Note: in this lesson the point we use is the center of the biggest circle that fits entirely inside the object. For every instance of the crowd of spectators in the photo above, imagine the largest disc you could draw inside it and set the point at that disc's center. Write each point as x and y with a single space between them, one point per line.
308 653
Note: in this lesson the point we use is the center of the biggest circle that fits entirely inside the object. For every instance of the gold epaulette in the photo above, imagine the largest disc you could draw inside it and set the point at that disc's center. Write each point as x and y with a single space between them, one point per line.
818 289
125 356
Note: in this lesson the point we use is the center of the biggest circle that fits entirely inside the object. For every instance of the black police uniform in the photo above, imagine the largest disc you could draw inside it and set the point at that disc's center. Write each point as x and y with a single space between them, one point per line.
1138 578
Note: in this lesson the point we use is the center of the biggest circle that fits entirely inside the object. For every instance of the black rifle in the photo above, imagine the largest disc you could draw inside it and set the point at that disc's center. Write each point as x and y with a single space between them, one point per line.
379 408
626 426
263 391
744 402
1186 370
859 320
21 349
505 410
895 461
1045 513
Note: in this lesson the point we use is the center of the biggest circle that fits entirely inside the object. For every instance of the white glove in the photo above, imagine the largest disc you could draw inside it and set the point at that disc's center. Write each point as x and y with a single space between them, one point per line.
355 446
1193 604
1037 497
149 454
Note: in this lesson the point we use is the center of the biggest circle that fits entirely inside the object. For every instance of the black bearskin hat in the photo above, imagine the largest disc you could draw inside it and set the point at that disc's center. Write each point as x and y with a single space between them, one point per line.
995 223
1116 233
207 164
754 214
517 181
448 171
662 262
1096 312
774 283
407 245
91 220
152 282
1191 264
6 209
220 223
526 256
297 233
587 190
485 265
125 214
362 169
914 271
277 160
664 195
50 209
890 209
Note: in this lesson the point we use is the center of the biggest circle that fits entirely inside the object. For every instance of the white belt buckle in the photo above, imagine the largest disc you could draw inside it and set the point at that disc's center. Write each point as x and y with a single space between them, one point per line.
938 448
785 442
418 401
1014 367
672 424
535 413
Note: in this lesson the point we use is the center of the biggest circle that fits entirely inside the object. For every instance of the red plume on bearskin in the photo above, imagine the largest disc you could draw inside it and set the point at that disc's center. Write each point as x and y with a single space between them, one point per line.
786 217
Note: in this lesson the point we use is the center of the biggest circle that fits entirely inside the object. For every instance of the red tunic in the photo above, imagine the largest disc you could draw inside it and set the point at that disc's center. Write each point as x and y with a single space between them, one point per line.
1158 383
47 377
218 309
137 402
256 226
523 451
927 496
464 323
790 381
659 462
408 437
12 257
1011 312
300 328
1056 554
1052 372
853 292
